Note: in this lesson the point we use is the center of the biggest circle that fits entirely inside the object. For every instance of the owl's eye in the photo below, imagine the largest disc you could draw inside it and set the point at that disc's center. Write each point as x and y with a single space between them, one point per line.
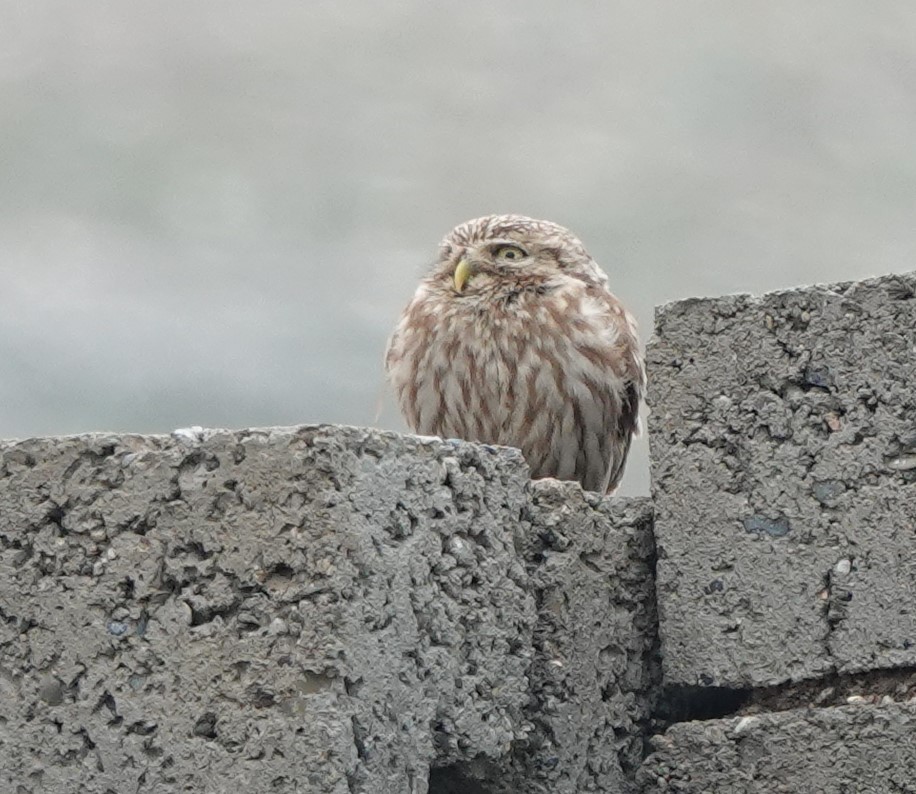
510 253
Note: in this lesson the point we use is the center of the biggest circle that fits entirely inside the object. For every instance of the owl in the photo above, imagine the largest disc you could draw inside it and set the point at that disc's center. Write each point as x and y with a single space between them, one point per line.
513 338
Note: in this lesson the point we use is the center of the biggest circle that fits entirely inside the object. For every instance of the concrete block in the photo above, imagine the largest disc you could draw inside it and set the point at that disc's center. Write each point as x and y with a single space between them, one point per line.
862 749
314 609
302 610
595 656
783 438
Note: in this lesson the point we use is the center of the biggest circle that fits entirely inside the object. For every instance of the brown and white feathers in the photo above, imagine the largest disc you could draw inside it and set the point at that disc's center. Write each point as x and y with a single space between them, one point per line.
513 338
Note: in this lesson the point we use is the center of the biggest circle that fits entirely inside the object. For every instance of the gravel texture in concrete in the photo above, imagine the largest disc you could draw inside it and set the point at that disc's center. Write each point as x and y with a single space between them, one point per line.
783 437
313 609
595 649
860 749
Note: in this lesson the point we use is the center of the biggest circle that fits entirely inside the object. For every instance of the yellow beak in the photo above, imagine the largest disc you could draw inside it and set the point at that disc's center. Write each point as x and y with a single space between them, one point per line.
462 274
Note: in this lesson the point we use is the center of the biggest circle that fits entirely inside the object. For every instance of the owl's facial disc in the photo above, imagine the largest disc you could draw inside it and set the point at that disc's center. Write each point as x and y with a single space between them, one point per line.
496 259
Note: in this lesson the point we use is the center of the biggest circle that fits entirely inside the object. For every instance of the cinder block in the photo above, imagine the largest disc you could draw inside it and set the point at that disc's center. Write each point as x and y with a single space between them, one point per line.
594 664
596 661
302 610
783 438
861 749
314 609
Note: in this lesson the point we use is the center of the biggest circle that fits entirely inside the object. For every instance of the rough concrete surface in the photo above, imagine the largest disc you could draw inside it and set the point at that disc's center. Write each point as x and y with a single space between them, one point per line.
843 750
783 437
314 609
595 656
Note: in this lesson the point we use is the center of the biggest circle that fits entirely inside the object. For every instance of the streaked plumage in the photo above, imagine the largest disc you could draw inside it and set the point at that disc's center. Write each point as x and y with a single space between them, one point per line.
513 338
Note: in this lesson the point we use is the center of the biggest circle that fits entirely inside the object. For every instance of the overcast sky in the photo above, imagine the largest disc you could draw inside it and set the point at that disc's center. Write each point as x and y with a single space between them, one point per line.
212 213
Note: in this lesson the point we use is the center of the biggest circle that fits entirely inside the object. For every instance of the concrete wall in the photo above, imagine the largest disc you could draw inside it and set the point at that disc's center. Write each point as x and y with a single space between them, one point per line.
315 609
783 440
328 609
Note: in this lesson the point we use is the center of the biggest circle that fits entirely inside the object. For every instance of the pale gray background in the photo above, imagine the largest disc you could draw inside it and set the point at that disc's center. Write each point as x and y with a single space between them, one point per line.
212 212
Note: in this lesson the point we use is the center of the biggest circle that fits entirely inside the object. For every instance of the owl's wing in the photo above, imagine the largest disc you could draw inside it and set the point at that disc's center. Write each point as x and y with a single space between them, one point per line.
627 427
629 369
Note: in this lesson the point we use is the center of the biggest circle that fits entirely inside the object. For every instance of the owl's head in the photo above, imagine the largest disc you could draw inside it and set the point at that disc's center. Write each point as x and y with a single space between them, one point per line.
485 253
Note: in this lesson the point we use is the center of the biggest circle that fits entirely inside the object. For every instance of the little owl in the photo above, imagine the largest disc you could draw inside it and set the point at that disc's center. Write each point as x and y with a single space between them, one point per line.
514 339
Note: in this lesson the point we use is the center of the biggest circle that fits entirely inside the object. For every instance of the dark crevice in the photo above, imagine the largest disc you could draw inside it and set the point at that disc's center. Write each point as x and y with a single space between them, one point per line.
836 689
55 517
206 613
360 734
652 696
689 703
453 780
205 727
